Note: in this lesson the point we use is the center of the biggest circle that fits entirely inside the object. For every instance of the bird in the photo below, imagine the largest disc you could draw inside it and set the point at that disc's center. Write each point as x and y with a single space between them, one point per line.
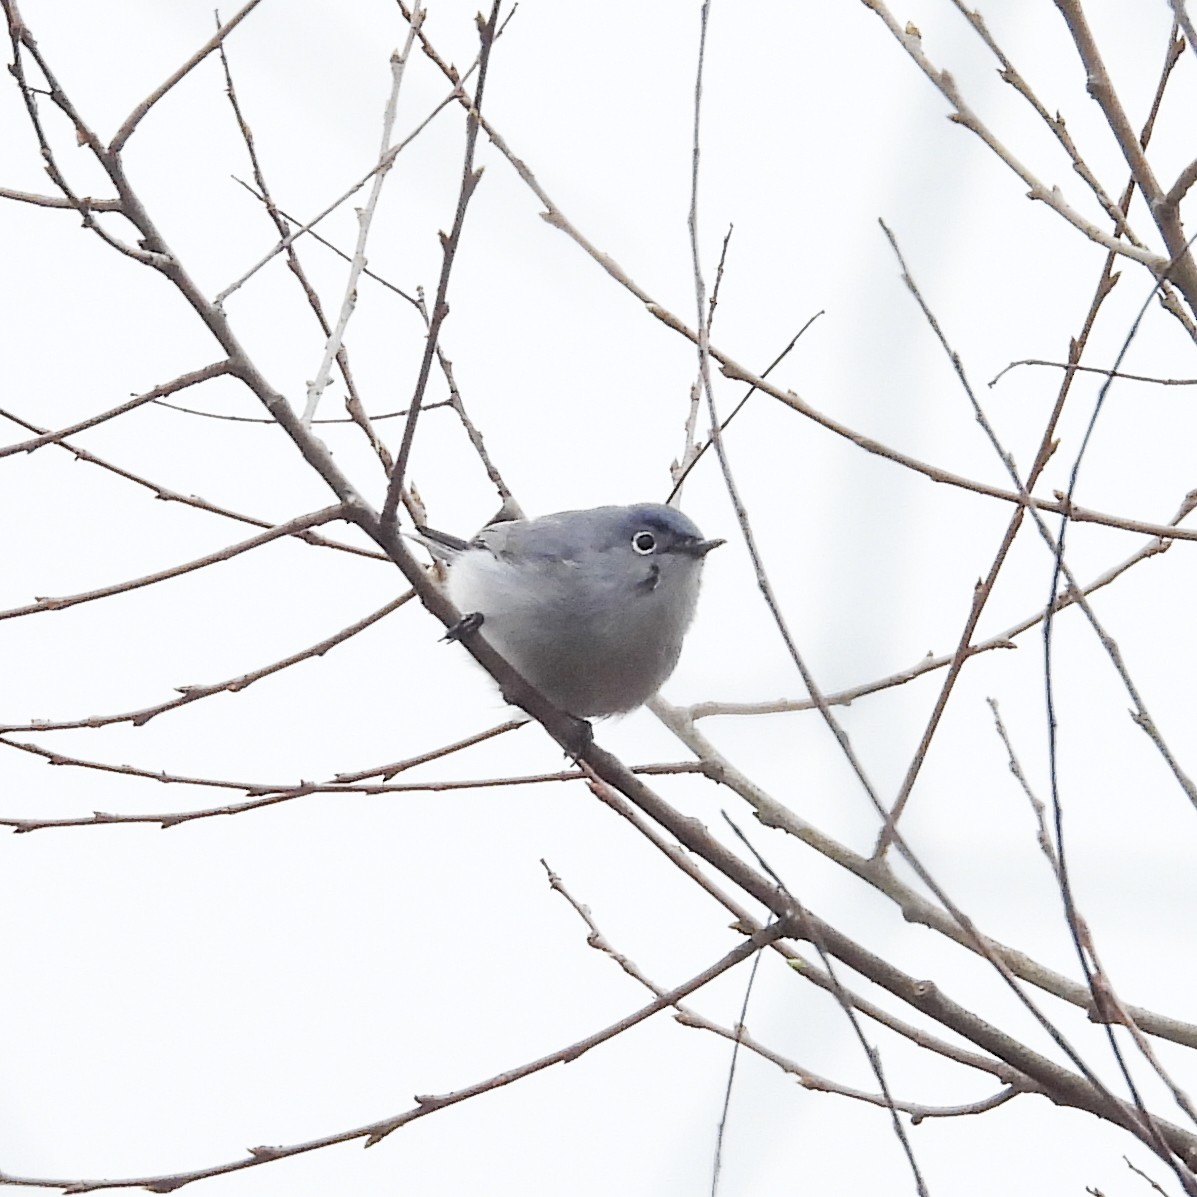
590 607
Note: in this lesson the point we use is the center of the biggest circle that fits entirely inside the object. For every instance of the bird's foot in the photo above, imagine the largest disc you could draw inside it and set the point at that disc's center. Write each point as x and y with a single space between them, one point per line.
581 739
467 625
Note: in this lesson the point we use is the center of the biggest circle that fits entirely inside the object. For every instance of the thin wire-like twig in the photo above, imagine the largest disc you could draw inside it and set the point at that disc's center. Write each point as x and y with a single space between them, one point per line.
449 245
214 42
1109 1006
193 378
166 495
704 375
233 685
365 219
1105 283
301 523
354 405
1075 368
1150 1132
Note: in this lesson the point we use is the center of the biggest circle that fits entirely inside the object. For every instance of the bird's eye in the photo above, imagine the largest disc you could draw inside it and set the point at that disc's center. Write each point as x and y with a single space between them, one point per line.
644 543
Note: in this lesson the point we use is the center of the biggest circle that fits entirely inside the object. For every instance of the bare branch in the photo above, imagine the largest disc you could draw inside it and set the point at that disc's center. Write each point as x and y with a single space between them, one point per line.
875 871
171 496
299 524
686 1016
354 403
1181 268
449 246
265 794
214 42
86 203
734 370
365 217
1078 369
215 370
911 42
234 685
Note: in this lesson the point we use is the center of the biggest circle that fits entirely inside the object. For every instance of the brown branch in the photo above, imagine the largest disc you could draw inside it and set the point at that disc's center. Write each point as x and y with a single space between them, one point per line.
1078 369
234 685
449 246
911 41
1062 1086
687 1017
268 794
1181 269
299 524
215 370
914 905
353 403
1180 188
929 664
171 496
386 772
1109 1007
733 369
214 42
23 44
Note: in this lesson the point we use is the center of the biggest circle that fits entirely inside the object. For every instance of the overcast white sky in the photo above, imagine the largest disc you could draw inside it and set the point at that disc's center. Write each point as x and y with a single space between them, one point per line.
172 998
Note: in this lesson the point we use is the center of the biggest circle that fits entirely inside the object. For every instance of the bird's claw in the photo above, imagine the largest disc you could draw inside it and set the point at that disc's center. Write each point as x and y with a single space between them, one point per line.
465 626
582 739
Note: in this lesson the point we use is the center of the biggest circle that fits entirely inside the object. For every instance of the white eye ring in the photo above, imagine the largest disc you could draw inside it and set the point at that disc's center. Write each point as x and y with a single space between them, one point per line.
644 543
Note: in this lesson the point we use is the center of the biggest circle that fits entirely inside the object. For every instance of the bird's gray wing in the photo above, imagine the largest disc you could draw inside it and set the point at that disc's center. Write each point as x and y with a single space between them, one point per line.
549 538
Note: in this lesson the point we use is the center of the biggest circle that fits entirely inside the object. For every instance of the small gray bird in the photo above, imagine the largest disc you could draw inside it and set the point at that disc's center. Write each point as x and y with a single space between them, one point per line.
590 606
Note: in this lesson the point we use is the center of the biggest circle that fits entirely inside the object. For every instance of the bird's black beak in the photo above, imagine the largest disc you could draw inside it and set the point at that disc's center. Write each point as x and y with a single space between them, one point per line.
698 548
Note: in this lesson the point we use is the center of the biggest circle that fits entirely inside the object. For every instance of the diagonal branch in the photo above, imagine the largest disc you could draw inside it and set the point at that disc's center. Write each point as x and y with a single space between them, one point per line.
215 370
299 524
1182 269
214 42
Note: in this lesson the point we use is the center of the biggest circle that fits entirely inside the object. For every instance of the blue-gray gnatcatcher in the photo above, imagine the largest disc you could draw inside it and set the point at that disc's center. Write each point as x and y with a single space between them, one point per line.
589 606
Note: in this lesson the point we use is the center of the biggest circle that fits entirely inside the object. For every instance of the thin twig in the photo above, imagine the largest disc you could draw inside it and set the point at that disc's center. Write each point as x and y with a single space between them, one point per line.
171 496
1078 369
910 40
704 376
215 370
299 524
365 218
449 246
353 403
1149 1132
134 118
234 685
